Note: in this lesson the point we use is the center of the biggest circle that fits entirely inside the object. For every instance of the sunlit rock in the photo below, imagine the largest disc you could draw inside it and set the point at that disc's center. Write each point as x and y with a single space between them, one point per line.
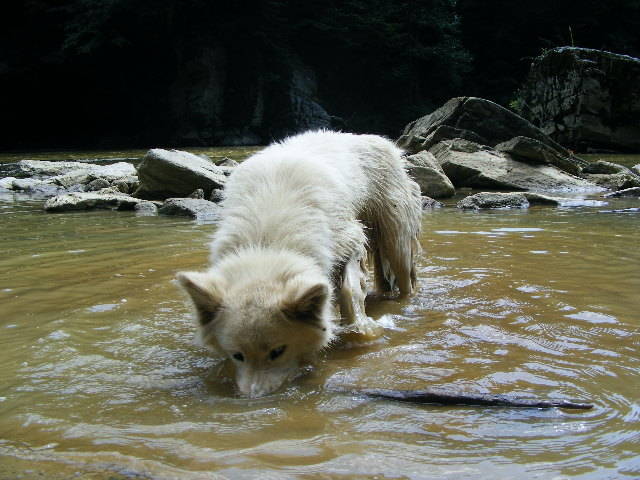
173 173
468 164
533 151
424 169
109 200
146 209
488 122
190 207
486 200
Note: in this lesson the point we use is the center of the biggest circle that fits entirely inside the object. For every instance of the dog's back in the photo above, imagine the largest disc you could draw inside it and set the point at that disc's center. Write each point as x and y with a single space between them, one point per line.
314 193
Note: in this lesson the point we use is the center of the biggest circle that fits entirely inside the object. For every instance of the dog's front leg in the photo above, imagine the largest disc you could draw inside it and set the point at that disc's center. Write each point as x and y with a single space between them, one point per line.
351 299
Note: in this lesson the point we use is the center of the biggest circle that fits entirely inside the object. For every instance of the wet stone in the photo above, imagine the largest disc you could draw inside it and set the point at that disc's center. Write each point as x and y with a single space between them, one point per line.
627 192
190 207
486 200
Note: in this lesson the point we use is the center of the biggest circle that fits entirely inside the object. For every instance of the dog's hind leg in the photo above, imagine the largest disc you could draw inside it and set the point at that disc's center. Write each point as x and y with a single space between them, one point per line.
351 297
383 278
399 254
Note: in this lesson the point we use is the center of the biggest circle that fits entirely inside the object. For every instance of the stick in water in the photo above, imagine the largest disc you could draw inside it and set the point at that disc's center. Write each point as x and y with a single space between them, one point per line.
451 398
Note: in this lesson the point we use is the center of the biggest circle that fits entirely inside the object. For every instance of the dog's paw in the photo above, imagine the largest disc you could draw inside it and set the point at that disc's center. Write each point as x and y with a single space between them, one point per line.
363 330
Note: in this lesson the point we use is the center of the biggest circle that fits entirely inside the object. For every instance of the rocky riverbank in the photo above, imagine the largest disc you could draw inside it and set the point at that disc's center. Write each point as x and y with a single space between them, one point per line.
468 143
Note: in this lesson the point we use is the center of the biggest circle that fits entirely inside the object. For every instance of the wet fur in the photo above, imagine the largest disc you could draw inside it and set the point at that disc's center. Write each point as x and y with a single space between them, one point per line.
299 220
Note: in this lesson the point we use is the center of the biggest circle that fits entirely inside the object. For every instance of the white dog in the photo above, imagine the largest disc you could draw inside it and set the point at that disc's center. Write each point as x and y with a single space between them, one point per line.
299 220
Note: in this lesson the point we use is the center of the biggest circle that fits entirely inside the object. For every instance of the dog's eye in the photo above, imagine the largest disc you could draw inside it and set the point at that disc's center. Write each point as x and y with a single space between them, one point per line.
276 352
238 356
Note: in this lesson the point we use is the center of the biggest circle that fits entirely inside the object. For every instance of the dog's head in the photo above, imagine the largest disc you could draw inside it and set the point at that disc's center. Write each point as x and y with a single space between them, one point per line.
267 324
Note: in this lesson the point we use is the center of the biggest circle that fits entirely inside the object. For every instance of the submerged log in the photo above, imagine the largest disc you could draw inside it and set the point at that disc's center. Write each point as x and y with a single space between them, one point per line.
441 397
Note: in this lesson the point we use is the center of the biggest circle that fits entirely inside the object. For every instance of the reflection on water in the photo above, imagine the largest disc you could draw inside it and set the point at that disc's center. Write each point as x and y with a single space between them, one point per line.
101 375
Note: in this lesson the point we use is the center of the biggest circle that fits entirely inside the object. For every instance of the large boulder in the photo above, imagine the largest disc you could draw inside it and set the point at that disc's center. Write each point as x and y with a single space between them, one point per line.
468 164
424 169
475 119
173 173
584 99
529 150
110 200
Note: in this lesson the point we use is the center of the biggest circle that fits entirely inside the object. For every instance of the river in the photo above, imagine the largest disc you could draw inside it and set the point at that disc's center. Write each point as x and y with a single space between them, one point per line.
101 377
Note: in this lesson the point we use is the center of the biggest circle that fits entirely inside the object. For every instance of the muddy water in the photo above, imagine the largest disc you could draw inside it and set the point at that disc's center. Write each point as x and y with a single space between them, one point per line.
100 376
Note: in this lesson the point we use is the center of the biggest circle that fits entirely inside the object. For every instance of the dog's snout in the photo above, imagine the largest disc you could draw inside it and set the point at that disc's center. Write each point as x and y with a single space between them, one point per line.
260 383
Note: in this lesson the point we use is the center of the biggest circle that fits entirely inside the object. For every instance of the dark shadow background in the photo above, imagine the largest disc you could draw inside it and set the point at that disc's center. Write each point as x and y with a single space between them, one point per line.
140 73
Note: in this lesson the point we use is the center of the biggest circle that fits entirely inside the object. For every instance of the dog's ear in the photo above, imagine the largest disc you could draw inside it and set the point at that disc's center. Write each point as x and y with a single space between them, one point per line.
307 305
204 293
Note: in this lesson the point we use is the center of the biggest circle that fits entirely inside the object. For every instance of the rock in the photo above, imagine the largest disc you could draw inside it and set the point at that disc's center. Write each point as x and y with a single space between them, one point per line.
71 176
427 173
97 184
493 200
627 192
21 184
34 186
614 181
468 164
416 144
428 203
190 207
114 171
489 121
539 199
7 182
636 169
198 193
528 150
216 196
164 173
146 209
587 100
43 169
422 159
226 162
127 184
89 201
603 167
110 190
75 177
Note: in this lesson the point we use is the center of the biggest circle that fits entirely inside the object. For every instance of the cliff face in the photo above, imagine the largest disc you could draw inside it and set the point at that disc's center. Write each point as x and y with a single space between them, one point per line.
225 97
586 100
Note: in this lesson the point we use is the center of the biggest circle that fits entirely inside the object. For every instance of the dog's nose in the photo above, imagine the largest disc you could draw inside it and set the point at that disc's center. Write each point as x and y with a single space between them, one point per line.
257 391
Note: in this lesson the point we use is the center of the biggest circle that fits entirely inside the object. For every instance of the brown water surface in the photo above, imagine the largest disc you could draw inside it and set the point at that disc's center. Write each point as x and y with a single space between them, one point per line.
101 378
